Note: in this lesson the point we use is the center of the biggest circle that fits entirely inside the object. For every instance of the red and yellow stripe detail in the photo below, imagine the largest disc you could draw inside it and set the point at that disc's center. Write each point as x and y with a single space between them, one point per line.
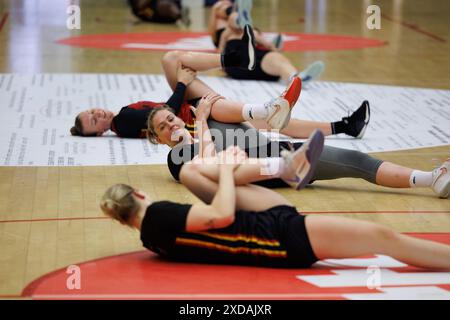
274 253
240 237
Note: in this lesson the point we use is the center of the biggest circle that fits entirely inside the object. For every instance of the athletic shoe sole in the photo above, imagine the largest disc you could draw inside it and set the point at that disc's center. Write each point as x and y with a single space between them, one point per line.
281 116
366 122
446 187
442 188
313 71
445 190
312 148
244 8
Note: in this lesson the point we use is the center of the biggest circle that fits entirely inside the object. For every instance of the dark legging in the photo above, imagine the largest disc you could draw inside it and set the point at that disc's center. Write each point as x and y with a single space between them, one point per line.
334 163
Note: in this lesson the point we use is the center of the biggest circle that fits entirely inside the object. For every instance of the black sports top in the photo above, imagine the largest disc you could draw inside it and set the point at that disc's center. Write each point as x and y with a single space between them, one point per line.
255 238
131 121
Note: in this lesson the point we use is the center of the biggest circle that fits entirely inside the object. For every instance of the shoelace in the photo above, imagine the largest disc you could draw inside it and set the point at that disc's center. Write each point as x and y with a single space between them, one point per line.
268 105
346 119
440 170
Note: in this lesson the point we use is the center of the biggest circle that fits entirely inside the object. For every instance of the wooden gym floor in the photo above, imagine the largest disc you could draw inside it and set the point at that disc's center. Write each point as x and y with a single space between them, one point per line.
49 216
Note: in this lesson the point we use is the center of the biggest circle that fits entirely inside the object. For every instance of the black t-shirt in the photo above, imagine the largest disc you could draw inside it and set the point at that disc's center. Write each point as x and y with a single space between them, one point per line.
255 238
224 135
131 121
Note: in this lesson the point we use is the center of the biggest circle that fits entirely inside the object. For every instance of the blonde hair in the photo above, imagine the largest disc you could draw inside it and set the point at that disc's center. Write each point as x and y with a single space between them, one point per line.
118 203
151 133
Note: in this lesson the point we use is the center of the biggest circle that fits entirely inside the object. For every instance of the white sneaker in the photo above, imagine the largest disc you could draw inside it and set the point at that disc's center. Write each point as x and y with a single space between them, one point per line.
312 72
279 113
301 163
441 180
279 109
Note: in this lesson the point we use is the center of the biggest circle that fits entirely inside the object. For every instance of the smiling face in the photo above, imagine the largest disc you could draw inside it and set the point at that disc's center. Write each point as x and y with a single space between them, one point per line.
169 129
95 121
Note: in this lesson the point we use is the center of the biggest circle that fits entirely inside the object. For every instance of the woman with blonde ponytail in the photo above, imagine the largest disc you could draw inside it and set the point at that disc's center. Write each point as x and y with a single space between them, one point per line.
252 225
121 203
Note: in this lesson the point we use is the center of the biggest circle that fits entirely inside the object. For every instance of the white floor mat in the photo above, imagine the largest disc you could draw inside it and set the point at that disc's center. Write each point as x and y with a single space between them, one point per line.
37 112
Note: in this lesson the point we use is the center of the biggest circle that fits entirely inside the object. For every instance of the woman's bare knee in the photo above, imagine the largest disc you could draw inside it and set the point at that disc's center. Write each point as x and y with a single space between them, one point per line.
185 58
188 171
171 57
384 237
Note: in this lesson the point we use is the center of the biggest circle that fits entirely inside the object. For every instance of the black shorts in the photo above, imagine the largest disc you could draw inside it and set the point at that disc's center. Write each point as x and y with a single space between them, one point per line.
300 253
243 74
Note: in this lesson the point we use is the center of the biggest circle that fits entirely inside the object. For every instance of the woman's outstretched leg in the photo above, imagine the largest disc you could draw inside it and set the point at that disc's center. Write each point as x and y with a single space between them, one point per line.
339 238
335 163
297 128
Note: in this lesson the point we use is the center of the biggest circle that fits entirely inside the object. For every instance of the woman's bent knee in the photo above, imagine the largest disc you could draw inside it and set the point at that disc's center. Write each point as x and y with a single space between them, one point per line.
171 56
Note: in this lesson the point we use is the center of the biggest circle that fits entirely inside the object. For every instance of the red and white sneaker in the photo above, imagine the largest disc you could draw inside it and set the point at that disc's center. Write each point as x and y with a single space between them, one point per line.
279 109
441 180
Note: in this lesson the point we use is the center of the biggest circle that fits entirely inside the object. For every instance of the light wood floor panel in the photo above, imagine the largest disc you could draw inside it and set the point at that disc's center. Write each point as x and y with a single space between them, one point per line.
48 194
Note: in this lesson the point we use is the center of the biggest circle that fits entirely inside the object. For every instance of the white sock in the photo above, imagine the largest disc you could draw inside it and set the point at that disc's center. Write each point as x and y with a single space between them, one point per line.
272 166
420 179
254 112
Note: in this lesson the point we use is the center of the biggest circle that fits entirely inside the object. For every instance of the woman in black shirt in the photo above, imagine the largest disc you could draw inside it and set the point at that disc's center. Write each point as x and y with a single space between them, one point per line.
225 27
334 163
251 225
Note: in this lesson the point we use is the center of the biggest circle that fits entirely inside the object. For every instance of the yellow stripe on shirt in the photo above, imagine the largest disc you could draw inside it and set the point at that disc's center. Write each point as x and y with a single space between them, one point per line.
232 250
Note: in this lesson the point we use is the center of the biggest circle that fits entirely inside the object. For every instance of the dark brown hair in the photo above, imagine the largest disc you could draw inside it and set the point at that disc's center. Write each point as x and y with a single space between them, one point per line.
77 129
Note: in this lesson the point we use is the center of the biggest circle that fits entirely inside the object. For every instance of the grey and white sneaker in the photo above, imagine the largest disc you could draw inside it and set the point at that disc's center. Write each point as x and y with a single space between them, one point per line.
312 72
244 9
301 163
441 180
278 42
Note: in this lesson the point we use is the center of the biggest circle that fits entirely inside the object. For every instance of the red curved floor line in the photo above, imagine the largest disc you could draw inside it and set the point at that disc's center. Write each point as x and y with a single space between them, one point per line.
414 28
30 290
305 41
31 287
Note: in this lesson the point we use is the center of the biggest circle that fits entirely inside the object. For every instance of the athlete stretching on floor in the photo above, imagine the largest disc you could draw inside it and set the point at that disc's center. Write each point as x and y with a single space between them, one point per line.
252 225
130 122
226 28
165 128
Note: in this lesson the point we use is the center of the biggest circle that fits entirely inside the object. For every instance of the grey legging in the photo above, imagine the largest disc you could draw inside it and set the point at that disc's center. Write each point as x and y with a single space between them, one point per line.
333 163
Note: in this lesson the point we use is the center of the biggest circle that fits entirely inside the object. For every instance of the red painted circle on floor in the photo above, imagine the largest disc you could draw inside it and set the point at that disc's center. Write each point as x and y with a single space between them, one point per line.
200 41
142 275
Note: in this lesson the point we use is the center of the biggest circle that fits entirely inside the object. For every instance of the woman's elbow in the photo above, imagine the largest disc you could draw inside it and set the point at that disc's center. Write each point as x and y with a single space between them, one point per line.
227 219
